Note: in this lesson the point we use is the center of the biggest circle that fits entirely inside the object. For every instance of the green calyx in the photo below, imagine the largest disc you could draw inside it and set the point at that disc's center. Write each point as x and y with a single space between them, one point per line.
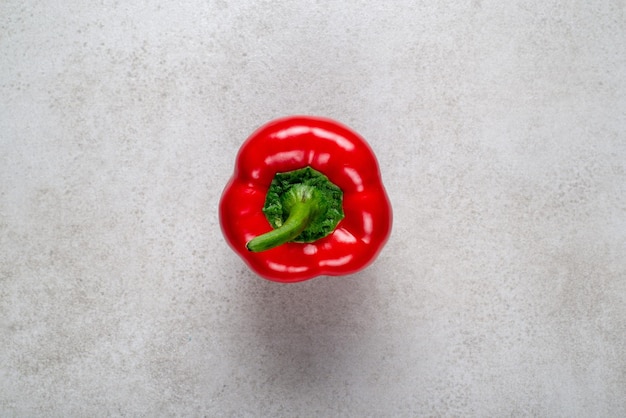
302 206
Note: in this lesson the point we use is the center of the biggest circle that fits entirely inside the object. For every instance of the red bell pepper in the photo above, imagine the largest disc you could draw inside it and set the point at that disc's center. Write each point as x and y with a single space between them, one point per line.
306 199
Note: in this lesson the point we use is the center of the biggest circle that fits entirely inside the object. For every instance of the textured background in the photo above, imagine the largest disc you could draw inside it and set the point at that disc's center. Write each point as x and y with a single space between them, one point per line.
501 133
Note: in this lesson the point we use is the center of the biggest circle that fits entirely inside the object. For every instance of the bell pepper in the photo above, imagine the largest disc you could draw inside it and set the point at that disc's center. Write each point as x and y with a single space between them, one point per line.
306 199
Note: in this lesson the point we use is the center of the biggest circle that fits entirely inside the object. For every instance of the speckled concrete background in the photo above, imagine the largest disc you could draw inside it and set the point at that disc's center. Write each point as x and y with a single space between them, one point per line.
501 133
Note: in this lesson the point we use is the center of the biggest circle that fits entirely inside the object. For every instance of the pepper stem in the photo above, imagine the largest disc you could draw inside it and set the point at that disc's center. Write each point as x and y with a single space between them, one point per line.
302 204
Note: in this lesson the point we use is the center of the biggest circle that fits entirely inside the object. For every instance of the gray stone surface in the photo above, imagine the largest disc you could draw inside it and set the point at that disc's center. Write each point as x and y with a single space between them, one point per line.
501 132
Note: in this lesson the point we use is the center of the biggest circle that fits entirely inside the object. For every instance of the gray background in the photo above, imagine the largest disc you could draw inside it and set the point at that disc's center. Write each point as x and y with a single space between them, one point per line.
500 129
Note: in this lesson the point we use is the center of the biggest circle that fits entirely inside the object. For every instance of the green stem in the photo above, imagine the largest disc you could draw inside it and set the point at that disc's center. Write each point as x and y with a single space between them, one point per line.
300 216
302 206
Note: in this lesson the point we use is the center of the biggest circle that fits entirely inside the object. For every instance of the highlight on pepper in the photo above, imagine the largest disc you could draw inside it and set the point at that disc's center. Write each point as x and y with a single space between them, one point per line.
306 199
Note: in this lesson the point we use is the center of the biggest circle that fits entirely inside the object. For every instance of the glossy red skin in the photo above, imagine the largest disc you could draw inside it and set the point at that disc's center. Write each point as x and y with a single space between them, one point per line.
346 159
